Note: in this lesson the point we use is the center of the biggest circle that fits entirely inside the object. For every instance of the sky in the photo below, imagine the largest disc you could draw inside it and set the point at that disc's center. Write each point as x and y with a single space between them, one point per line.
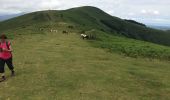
156 12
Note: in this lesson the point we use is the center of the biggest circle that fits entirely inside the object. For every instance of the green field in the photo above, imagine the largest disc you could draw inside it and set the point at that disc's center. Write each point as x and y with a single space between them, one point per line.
124 61
87 18
54 66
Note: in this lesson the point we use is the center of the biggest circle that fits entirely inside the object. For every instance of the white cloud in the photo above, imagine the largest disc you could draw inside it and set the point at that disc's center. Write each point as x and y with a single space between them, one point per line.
131 14
156 12
143 11
150 12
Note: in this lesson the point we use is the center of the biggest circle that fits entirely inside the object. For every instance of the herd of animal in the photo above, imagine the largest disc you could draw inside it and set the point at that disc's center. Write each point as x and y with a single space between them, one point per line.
83 35
53 30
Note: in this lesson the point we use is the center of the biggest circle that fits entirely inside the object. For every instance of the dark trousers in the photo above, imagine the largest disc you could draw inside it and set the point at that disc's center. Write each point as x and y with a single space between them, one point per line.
9 64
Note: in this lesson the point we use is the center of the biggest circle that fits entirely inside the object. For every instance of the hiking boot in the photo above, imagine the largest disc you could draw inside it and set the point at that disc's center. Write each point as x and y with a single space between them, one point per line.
2 79
12 73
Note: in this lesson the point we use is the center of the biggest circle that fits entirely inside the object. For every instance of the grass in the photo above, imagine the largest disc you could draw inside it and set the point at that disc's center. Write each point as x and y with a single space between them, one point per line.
54 66
130 47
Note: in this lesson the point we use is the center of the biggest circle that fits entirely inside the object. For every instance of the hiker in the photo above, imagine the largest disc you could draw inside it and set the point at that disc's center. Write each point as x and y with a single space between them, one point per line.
5 57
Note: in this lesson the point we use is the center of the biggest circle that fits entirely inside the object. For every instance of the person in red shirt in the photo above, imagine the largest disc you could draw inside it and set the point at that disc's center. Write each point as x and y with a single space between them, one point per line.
5 57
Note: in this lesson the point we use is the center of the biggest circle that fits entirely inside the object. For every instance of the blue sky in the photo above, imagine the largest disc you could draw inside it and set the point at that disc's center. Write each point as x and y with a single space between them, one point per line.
146 11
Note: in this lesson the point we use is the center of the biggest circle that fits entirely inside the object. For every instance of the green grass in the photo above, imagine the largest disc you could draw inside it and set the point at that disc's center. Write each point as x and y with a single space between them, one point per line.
130 47
53 66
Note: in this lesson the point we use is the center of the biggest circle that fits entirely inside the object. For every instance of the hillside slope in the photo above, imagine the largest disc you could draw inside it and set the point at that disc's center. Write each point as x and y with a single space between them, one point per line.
54 66
87 18
51 65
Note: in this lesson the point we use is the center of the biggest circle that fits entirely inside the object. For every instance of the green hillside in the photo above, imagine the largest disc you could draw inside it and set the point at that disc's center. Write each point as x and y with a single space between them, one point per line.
87 18
112 33
51 65
55 66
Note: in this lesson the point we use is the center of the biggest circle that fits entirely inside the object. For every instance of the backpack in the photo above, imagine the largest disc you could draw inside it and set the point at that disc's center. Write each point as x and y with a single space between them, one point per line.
7 45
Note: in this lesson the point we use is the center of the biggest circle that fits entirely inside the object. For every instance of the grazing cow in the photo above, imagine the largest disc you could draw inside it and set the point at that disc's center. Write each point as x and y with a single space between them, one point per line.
84 36
71 27
65 32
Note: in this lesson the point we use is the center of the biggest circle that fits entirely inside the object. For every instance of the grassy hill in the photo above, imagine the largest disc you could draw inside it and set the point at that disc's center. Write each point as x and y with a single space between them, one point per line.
56 66
112 33
87 18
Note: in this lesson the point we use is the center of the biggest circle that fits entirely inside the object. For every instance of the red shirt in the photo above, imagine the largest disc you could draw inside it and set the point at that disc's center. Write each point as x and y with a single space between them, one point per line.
5 54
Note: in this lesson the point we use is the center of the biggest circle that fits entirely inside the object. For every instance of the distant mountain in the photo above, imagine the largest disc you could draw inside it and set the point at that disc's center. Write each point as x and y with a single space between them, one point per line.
6 17
160 27
135 22
87 18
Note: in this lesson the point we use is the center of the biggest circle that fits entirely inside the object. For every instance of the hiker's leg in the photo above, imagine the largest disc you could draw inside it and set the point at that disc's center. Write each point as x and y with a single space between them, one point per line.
10 65
2 71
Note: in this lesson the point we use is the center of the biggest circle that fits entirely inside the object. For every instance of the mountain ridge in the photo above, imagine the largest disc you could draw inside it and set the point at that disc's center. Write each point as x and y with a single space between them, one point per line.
87 18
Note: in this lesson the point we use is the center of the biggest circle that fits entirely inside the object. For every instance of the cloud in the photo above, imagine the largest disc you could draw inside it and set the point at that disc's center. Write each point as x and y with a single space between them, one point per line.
143 9
150 12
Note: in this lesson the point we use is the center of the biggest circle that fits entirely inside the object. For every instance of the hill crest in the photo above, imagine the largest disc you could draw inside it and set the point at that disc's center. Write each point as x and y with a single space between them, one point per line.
87 18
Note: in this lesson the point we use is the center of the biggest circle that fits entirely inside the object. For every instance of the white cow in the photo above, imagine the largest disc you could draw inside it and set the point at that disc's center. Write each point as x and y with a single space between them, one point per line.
53 30
84 36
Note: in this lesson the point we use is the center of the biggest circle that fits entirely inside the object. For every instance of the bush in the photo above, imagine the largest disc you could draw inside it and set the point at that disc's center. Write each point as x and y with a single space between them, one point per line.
133 48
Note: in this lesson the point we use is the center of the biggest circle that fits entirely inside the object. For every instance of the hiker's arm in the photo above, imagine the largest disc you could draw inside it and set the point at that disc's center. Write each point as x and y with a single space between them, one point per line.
10 48
4 49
